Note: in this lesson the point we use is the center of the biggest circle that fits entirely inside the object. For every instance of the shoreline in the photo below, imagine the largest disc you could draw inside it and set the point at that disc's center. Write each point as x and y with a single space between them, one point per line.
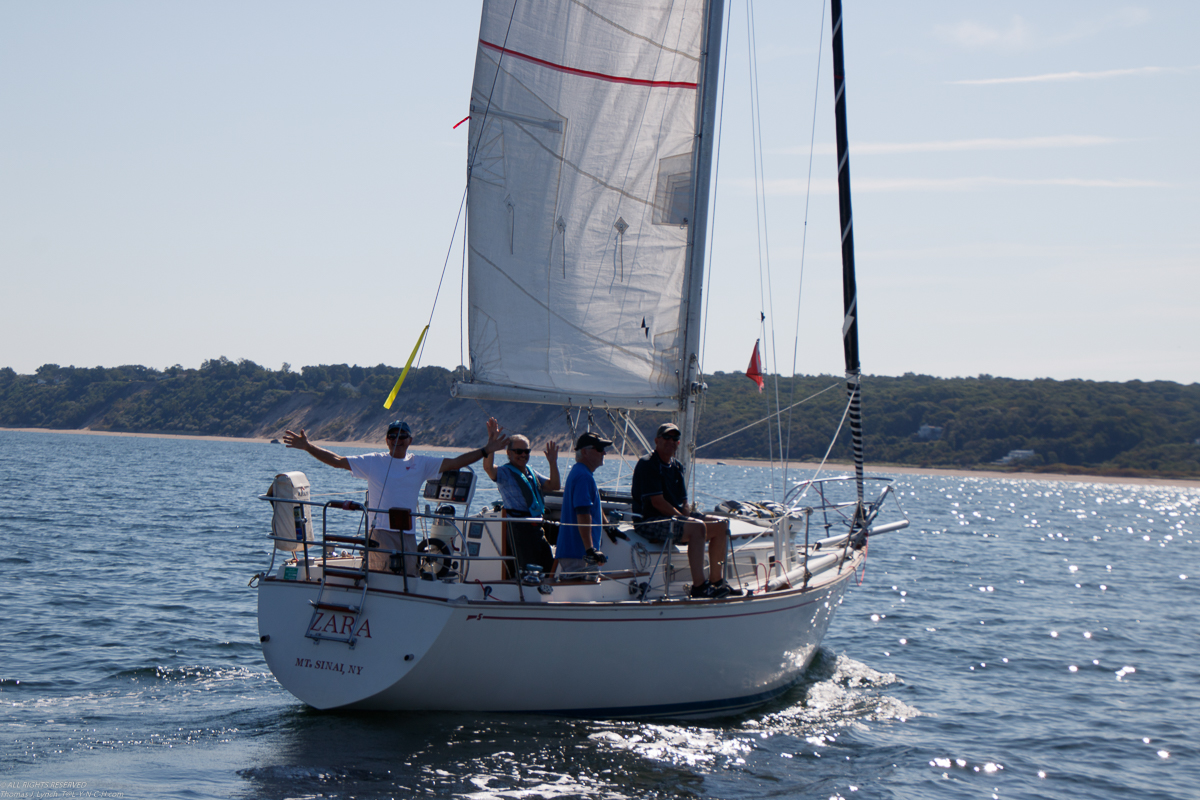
885 469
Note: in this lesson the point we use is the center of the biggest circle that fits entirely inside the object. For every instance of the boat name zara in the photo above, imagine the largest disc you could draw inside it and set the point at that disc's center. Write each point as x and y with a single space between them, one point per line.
331 625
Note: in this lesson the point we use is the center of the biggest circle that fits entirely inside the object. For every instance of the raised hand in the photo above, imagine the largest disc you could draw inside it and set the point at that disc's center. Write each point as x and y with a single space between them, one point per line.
496 440
296 440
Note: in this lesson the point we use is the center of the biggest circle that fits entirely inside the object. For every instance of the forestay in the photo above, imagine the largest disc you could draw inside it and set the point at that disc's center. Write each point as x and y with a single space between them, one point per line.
583 121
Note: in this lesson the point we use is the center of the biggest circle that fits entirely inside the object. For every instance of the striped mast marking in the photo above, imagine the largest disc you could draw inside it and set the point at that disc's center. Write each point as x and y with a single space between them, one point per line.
849 287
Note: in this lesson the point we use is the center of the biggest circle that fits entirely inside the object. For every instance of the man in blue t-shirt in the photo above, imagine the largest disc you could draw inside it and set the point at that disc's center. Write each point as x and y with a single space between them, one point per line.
579 535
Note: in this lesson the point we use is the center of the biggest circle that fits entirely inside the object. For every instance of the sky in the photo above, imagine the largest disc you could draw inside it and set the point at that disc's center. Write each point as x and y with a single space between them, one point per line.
280 182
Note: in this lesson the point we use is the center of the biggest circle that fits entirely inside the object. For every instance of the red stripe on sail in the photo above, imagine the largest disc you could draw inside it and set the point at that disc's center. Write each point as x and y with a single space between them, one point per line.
587 73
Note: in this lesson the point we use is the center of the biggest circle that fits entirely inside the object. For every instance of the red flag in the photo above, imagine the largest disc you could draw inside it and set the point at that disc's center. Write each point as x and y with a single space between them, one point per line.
754 371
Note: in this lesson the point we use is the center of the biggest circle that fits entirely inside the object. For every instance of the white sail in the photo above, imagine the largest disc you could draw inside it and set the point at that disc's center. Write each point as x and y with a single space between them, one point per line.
583 121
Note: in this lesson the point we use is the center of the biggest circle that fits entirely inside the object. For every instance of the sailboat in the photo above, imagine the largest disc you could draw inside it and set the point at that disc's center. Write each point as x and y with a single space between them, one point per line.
589 163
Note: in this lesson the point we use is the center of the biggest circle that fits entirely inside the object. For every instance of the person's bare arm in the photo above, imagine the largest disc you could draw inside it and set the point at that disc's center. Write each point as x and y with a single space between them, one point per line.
663 507
553 483
299 441
496 441
489 461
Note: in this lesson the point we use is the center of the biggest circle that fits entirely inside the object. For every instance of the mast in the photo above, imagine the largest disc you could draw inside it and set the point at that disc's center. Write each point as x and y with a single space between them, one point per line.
706 112
849 287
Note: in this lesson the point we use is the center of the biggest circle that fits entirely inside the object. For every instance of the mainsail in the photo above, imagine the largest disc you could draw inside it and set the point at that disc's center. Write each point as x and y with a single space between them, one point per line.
580 187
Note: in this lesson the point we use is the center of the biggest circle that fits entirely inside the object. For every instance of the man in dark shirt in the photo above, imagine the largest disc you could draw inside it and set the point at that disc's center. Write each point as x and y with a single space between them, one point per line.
660 497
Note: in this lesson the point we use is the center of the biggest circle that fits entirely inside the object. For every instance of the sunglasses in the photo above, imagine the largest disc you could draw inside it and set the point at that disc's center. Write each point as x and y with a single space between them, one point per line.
398 435
671 437
516 451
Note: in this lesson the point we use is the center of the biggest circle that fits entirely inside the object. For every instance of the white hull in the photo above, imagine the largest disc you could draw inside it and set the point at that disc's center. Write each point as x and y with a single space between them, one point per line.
444 650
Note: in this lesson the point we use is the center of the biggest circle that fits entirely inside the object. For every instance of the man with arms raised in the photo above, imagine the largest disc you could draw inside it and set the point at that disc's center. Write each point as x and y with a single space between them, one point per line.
394 479
523 493
660 497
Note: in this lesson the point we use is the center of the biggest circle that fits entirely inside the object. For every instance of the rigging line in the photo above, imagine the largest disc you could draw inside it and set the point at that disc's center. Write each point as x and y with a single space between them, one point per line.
623 435
487 108
828 450
441 279
762 332
635 441
753 32
474 151
700 409
626 439
776 414
716 185
462 292
630 425
757 213
699 414
759 199
812 145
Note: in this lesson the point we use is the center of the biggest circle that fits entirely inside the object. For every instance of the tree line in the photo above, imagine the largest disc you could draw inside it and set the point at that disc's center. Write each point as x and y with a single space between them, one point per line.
1131 428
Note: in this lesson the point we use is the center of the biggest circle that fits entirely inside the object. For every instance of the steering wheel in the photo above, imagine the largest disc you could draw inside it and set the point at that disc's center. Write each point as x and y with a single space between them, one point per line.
435 559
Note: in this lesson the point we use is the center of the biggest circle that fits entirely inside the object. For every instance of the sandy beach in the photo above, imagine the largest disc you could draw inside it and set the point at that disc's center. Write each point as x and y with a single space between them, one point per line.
831 467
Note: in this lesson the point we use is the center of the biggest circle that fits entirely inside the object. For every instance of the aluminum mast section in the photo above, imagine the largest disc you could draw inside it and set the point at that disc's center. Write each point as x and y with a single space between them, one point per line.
849 287
706 112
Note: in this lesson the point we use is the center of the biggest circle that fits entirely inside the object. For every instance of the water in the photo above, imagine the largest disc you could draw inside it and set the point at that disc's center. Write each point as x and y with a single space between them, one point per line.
1022 639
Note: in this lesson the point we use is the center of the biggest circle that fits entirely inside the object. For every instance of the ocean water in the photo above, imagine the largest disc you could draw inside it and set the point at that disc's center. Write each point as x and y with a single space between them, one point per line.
1022 639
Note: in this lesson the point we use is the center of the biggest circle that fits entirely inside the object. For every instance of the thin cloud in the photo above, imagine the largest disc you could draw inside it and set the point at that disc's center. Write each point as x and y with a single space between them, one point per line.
986 182
1068 76
958 145
969 184
973 35
1122 18
1020 35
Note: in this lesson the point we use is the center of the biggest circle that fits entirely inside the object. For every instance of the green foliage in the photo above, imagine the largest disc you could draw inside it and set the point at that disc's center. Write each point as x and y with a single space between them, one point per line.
1131 428
222 398
1072 426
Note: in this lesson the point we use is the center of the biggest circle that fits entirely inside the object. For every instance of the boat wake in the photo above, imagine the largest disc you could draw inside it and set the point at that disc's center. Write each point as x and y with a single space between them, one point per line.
518 757
837 693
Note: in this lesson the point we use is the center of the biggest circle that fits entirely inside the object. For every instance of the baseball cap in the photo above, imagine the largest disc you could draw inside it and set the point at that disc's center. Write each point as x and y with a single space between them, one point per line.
668 427
591 439
399 425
